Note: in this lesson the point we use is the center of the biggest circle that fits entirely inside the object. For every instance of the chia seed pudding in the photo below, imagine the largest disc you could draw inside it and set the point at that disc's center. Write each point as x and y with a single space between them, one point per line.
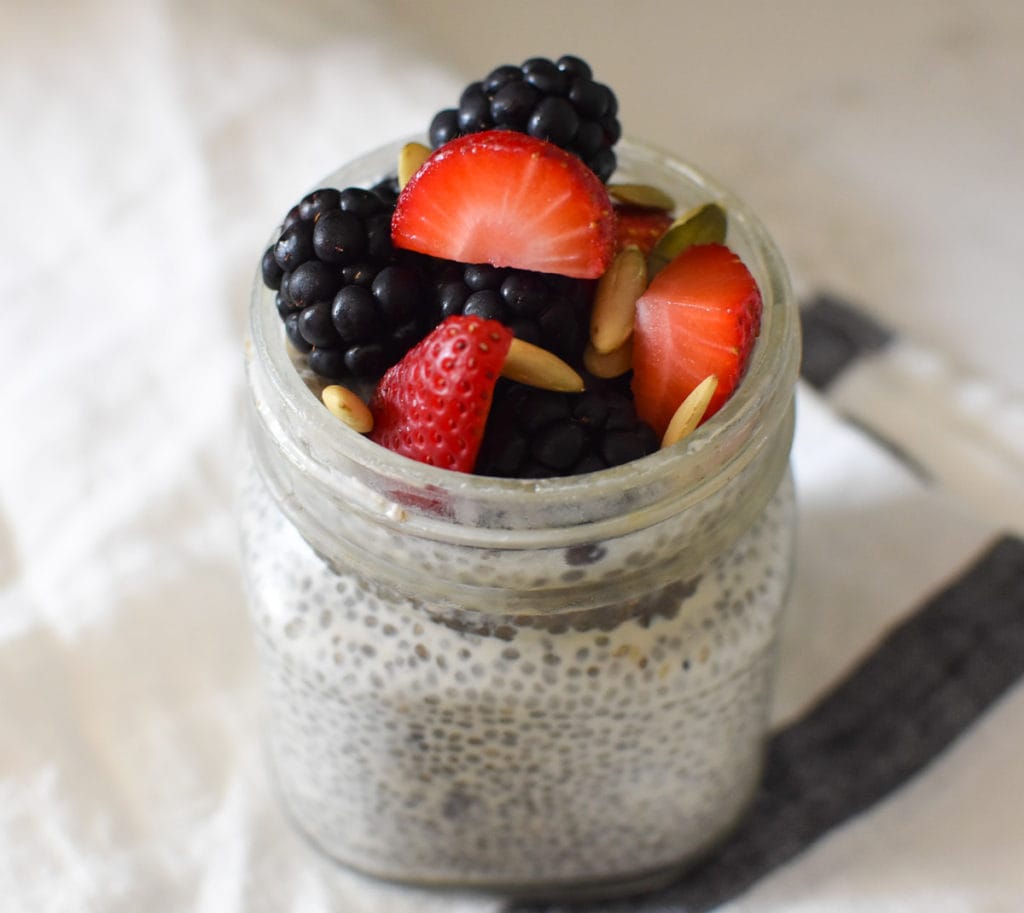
524 685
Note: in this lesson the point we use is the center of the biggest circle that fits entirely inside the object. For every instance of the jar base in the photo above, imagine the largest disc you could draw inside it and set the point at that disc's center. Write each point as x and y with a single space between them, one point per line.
627 884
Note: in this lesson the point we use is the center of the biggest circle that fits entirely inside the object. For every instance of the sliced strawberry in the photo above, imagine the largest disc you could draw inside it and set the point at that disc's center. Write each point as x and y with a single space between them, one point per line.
699 316
640 226
432 406
508 199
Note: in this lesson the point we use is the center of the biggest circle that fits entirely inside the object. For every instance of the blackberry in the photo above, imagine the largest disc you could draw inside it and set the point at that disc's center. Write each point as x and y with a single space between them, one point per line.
548 310
349 301
557 101
535 433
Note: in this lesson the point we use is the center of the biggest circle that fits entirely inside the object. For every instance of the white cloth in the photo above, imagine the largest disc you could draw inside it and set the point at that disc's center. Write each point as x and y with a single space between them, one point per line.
148 149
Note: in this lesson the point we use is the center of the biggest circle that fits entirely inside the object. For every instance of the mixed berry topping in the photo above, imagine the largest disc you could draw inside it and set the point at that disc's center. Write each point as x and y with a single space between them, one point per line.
509 200
545 309
433 405
558 101
536 433
515 314
699 316
349 300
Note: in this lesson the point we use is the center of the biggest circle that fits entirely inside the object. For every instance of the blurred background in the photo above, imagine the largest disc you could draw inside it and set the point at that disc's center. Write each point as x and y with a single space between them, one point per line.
879 141
149 149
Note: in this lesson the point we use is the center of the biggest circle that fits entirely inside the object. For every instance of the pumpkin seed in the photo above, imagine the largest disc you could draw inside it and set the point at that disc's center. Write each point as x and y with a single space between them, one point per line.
609 364
410 158
705 224
537 367
346 405
690 412
614 309
645 195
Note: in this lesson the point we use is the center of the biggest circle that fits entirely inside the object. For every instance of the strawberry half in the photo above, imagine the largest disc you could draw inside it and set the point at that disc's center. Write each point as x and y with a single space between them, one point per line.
508 199
640 226
432 406
700 315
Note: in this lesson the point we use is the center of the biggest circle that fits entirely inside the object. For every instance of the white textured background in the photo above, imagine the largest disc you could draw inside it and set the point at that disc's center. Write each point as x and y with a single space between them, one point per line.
149 147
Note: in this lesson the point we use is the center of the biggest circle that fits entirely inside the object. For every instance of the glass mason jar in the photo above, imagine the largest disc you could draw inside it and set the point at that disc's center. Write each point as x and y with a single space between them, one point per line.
526 686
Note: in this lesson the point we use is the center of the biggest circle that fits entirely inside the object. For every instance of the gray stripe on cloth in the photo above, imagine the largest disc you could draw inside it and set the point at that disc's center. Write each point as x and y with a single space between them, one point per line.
918 691
835 334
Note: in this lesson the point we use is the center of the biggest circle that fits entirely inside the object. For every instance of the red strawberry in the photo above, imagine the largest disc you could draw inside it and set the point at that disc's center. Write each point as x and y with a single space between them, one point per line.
640 226
508 199
700 315
432 406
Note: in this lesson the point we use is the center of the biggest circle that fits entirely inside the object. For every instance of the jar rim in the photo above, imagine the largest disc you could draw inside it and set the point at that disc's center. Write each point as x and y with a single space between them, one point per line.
759 403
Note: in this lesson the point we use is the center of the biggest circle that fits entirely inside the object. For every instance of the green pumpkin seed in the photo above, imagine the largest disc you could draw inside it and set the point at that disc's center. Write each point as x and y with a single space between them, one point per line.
644 195
704 224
